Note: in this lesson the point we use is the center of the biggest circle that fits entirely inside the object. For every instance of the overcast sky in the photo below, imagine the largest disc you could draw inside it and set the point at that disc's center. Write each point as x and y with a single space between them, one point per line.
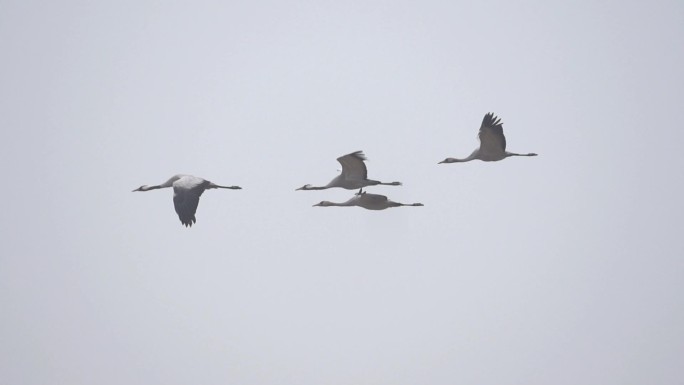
567 268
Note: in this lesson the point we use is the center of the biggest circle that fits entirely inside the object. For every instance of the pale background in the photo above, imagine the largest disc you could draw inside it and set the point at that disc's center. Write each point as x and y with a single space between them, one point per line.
567 268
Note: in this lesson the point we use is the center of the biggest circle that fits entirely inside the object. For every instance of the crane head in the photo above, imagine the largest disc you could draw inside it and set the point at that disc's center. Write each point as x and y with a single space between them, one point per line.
323 204
449 160
305 187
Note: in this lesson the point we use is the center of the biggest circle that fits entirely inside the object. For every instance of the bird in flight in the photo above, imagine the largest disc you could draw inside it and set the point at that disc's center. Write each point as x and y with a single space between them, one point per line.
354 174
187 190
492 143
367 201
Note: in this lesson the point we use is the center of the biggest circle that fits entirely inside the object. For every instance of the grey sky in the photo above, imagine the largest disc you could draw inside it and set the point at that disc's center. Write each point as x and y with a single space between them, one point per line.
561 269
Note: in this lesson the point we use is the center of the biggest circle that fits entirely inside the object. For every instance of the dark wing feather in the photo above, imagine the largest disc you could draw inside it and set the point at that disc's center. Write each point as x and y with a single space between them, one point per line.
353 166
185 201
492 139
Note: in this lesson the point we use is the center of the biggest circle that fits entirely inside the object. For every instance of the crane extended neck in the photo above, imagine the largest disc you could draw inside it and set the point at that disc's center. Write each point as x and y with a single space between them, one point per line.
310 187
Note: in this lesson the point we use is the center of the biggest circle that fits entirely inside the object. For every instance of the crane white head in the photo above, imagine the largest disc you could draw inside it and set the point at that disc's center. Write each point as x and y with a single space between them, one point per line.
450 160
145 188
324 204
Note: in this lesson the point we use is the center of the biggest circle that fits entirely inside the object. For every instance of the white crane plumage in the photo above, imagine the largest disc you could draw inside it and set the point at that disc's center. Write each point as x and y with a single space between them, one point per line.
492 143
187 190
354 174
367 201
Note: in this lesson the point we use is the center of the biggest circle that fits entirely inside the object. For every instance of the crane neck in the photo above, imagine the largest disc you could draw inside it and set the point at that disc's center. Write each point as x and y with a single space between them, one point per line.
148 188
309 187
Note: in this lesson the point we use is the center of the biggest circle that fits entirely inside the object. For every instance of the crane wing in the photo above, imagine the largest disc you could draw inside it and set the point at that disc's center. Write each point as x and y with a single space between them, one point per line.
492 139
353 166
186 194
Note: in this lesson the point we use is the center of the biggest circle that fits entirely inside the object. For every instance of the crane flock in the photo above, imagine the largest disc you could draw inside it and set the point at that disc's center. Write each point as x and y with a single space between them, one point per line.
187 189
